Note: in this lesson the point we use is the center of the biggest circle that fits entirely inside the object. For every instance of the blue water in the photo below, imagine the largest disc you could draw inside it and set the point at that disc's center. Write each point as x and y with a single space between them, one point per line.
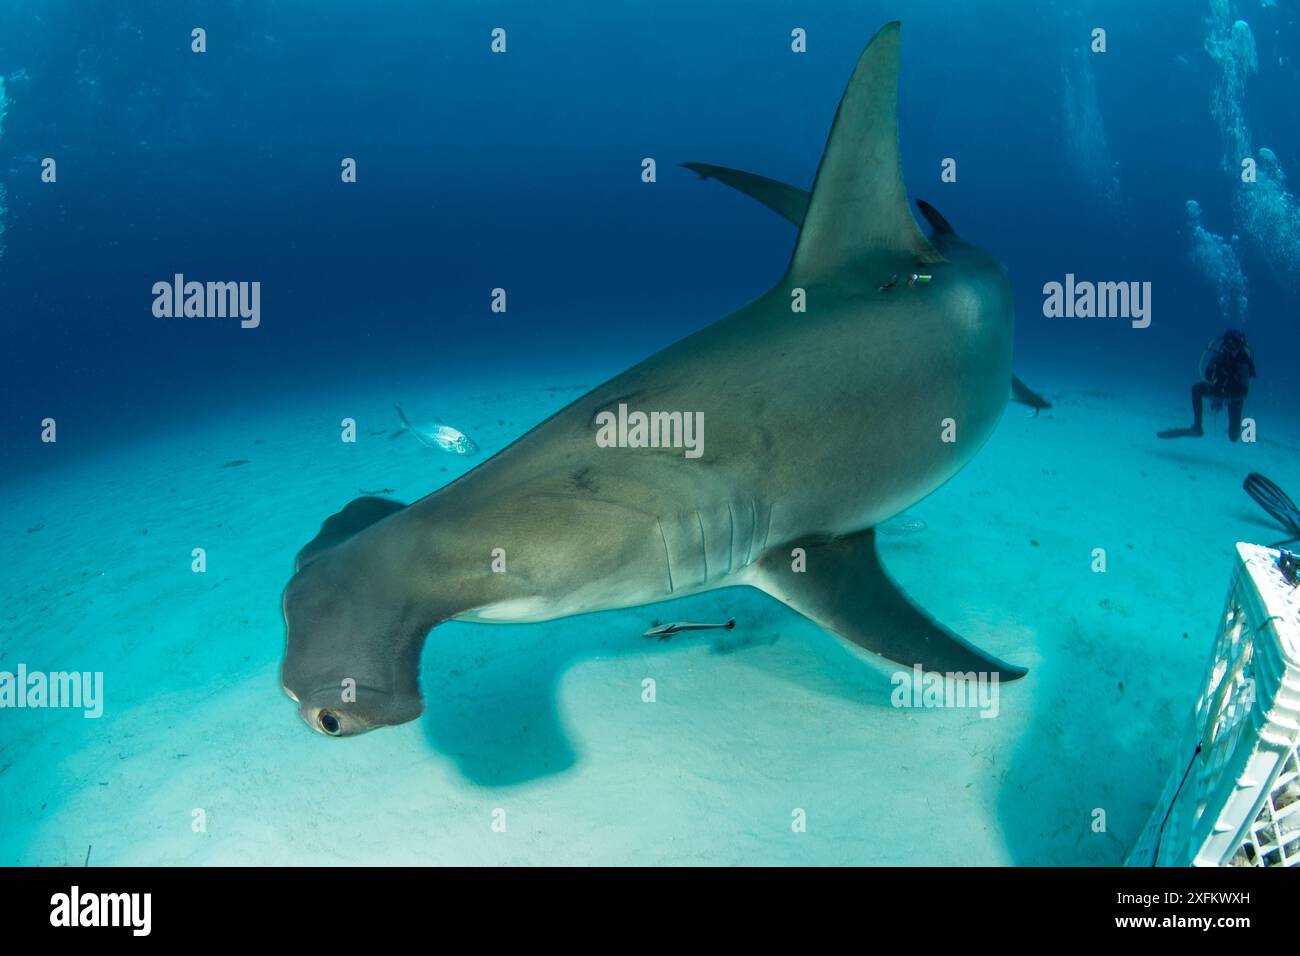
523 171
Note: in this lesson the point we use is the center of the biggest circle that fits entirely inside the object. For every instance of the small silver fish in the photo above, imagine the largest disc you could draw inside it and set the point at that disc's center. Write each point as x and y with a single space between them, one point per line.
437 435
665 631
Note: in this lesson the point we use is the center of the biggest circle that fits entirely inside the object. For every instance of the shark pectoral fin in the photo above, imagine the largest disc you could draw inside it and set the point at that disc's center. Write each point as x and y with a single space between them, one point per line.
858 210
845 589
357 515
787 201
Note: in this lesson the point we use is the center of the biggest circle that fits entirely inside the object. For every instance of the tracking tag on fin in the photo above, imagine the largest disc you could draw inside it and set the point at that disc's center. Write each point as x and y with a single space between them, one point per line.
845 590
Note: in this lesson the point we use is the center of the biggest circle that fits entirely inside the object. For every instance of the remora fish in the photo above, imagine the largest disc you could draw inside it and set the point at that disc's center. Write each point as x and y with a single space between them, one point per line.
665 631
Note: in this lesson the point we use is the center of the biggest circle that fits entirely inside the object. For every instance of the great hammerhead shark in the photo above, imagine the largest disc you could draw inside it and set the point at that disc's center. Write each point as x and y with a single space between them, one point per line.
864 379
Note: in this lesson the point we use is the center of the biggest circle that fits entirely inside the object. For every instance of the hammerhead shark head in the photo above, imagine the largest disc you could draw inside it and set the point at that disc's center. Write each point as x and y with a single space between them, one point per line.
864 379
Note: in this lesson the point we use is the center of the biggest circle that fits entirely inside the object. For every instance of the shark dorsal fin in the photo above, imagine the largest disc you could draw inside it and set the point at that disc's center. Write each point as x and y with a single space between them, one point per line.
858 209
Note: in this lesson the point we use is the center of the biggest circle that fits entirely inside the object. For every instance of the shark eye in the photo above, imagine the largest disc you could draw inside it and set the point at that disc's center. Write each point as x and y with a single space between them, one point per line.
329 723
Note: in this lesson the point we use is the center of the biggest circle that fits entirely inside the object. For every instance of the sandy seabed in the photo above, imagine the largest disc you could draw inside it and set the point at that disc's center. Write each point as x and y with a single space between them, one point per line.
543 726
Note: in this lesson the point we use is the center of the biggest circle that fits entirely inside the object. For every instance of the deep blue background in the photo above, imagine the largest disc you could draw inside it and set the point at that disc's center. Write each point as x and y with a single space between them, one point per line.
523 171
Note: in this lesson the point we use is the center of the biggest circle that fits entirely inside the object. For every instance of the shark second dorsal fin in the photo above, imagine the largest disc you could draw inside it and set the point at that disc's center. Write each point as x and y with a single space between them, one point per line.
942 227
858 209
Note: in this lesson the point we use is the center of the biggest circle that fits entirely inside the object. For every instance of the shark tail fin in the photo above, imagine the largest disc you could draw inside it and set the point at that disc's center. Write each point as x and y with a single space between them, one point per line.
402 415
845 589
858 211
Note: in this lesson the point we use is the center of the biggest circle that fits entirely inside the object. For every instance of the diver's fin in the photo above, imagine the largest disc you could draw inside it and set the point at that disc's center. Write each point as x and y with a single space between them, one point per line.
845 590
787 201
1181 433
1022 393
1273 500
357 515
942 228
858 210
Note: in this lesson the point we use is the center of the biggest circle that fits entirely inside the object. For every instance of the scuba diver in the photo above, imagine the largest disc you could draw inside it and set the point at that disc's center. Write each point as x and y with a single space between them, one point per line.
1227 366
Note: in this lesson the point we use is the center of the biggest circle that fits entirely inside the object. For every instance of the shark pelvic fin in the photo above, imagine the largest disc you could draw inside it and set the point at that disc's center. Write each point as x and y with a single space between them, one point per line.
1024 395
846 590
858 211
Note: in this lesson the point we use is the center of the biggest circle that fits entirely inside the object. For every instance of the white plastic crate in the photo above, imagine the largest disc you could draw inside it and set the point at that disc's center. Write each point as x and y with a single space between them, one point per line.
1233 798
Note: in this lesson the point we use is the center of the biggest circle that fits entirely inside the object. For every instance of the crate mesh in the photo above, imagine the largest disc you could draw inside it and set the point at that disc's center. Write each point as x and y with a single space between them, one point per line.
1233 798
